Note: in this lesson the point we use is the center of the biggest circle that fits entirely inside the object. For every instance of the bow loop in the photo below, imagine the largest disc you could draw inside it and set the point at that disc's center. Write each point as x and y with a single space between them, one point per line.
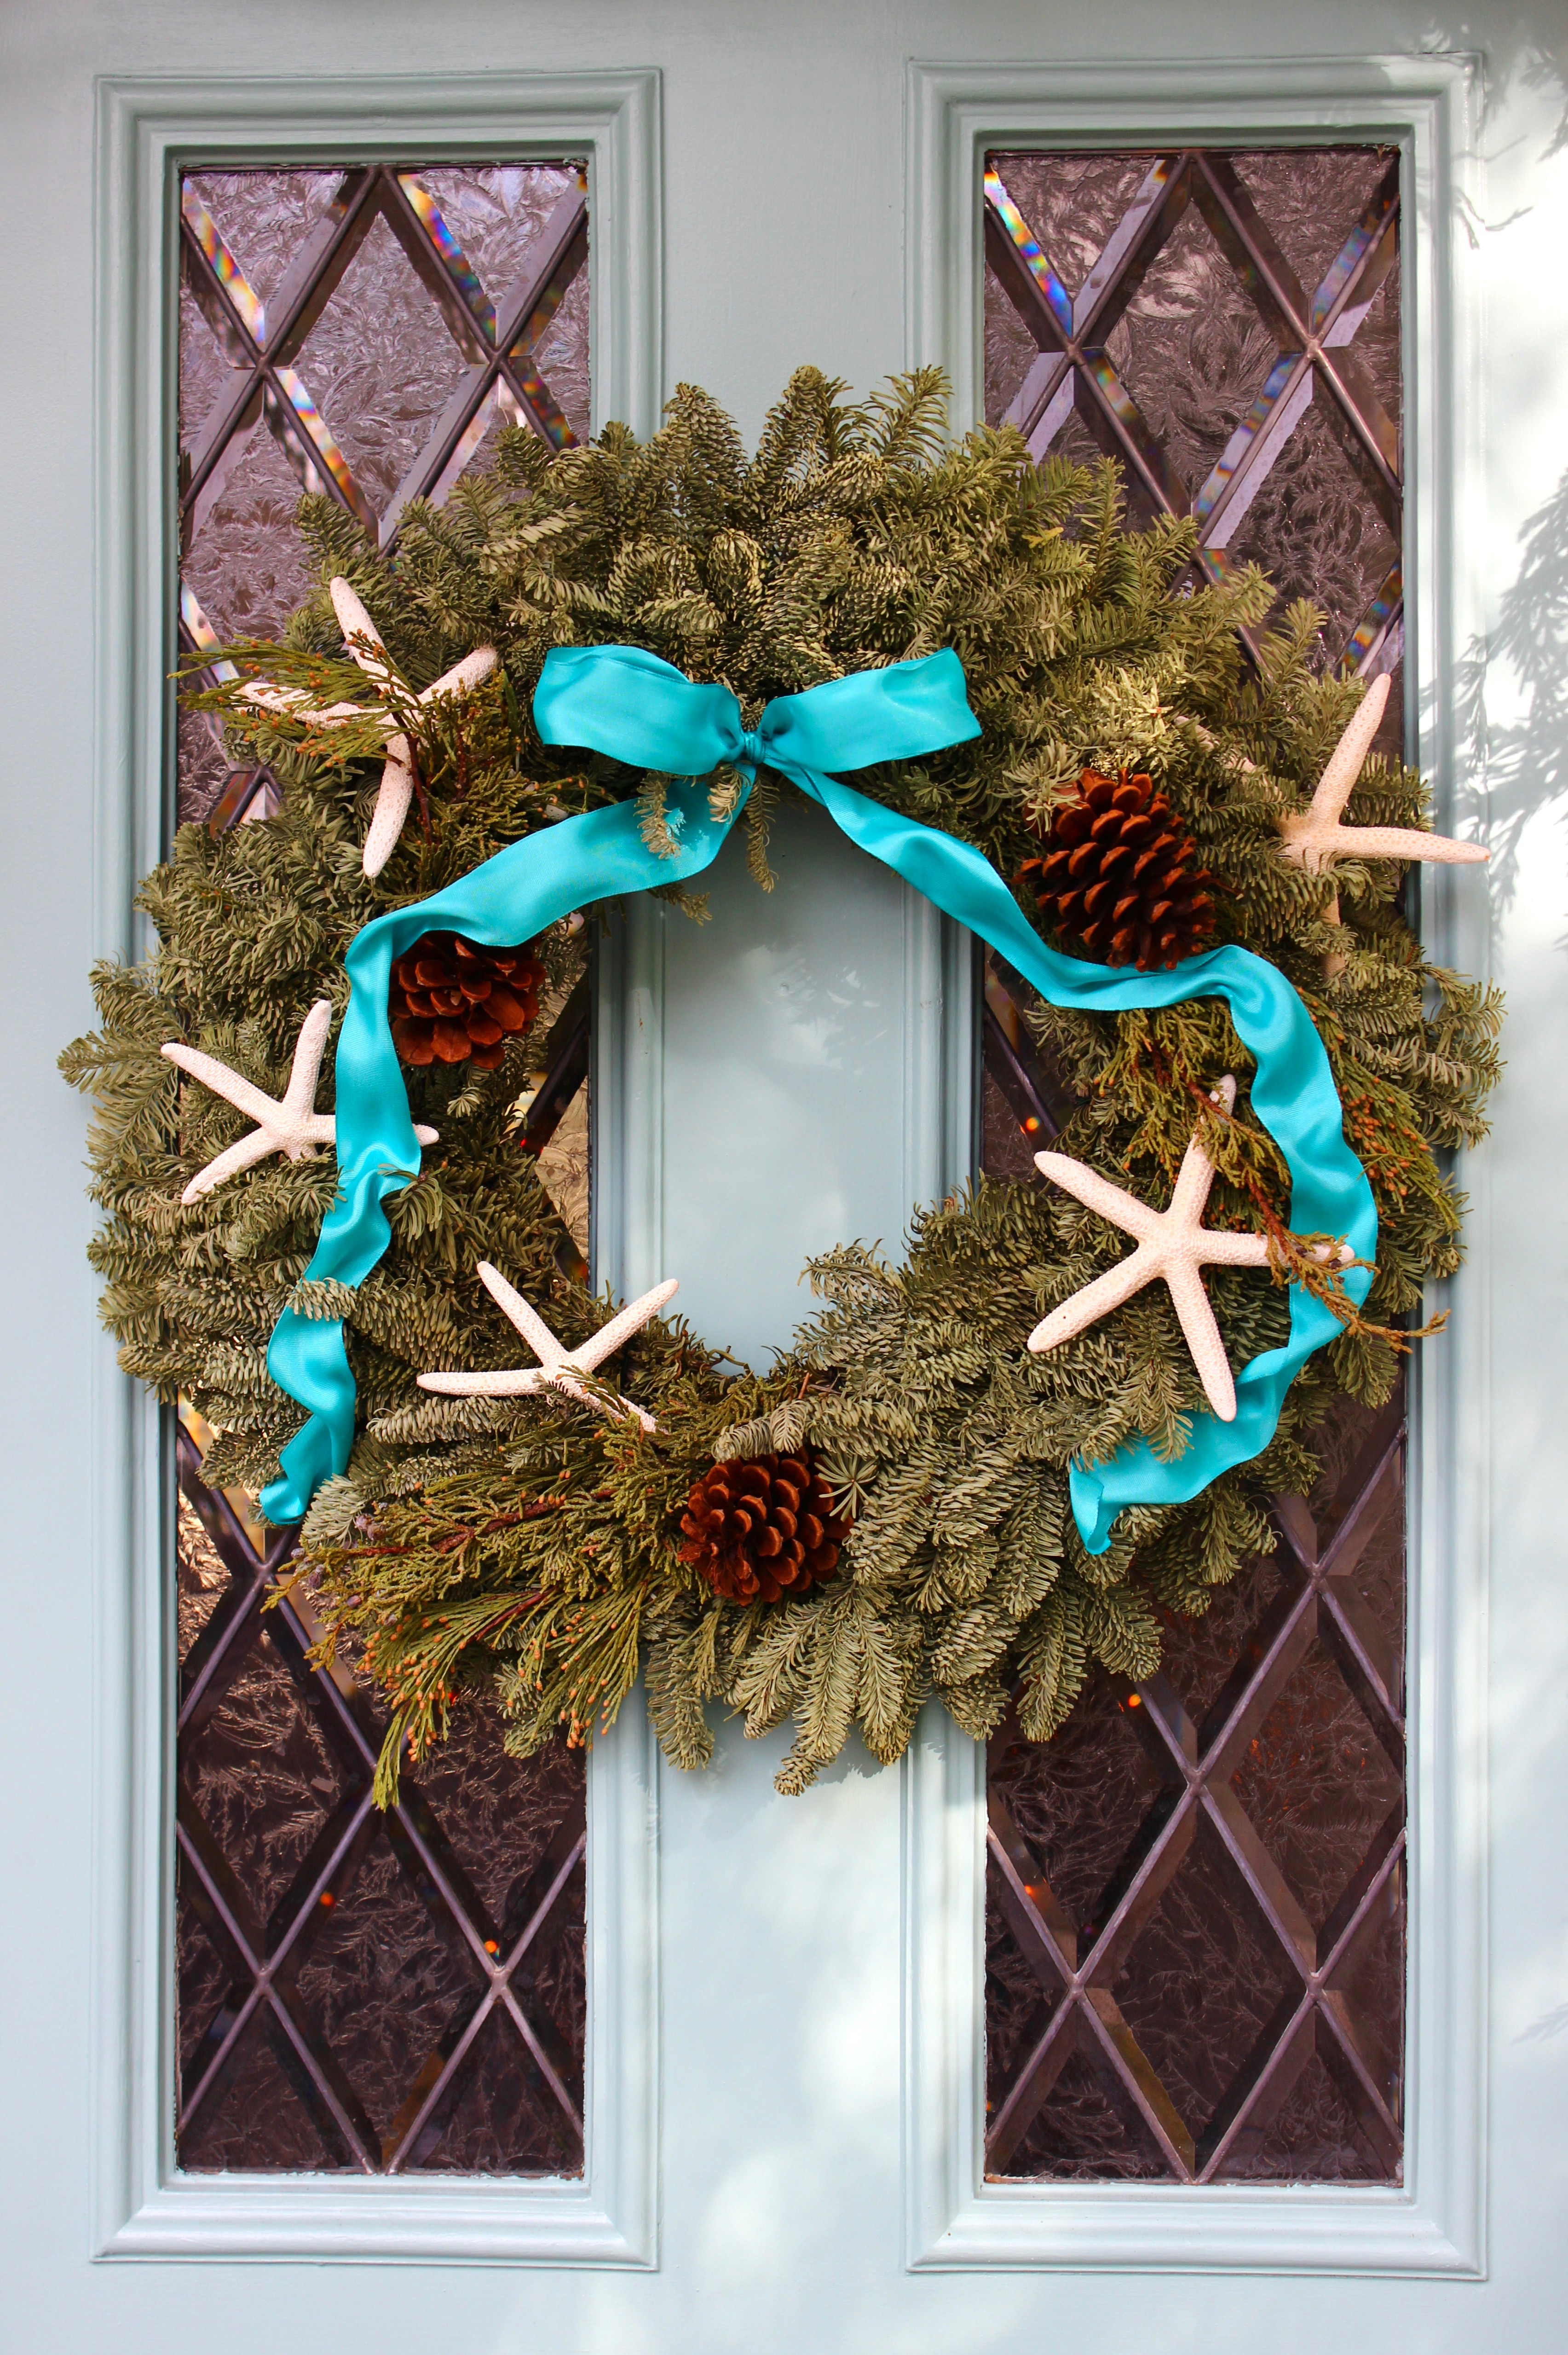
629 703
632 705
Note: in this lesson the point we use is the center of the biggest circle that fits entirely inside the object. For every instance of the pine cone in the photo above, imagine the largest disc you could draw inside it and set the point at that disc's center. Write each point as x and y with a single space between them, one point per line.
1119 875
762 1527
453 1002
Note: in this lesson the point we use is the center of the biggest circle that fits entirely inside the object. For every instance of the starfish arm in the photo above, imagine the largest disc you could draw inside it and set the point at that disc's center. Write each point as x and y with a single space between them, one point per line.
263 1108
321 1128
1216 1247
511 1381
1190 1191
361 637
620 1327
352 618
1401 842
299 1098
249 1149
1349 756
463 676
1196 1174
393 796
512 1304
1197 1321
1122 1209
1096 1300
397 788
292 702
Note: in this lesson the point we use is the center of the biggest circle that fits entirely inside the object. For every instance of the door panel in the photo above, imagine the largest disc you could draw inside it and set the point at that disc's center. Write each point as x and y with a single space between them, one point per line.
793 1073
784 2166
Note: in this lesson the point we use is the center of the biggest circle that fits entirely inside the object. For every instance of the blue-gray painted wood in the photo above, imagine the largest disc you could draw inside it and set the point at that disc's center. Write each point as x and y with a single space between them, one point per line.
795 1072
782 2218
1435 2221
141 2206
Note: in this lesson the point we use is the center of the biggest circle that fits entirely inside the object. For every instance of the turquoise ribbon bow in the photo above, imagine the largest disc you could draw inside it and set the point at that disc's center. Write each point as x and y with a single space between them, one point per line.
628 703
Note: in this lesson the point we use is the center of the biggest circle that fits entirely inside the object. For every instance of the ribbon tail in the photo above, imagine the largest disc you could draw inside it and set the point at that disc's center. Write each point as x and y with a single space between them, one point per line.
513 896
308 1359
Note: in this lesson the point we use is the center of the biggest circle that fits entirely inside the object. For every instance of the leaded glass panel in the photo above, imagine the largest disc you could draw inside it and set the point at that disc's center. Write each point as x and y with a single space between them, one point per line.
357 1991
1195 1952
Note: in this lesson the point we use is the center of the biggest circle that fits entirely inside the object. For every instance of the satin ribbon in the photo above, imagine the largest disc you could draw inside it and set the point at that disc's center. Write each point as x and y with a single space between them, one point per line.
626 702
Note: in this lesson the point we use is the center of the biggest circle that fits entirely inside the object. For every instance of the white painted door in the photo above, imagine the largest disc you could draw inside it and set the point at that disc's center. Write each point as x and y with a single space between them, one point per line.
785 1997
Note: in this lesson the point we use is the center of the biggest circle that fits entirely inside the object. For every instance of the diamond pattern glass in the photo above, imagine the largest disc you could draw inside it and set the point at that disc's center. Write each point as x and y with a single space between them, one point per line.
1196 1926
357 1990
362 333
1226 325
1195 1958
397 1993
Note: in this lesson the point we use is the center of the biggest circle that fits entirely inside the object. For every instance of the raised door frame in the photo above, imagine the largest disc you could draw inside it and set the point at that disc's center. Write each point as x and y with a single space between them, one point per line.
1428 106
141 2205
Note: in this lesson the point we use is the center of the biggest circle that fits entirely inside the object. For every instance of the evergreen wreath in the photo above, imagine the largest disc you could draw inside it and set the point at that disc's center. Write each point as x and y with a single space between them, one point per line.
904 1529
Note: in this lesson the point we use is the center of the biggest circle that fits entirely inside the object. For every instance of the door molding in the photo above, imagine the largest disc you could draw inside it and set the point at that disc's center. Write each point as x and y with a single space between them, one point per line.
1435 2223
142 2207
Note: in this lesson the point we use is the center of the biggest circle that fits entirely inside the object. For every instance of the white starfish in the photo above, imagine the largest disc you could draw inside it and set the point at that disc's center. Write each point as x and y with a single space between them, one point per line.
1173 1244
288 1123
364 643
558 1367
1314 835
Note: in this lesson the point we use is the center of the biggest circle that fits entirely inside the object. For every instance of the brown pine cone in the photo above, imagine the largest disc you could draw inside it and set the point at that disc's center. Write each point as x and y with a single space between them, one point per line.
454 1002
1119 877
762 1527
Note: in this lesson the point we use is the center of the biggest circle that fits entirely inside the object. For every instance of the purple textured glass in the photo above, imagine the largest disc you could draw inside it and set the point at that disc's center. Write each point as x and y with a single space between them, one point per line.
1226 325
1195 1920
1195 1956
359 1991
365 335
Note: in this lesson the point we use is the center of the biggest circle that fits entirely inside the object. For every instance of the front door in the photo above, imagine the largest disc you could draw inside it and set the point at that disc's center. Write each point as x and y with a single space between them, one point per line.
762 2072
